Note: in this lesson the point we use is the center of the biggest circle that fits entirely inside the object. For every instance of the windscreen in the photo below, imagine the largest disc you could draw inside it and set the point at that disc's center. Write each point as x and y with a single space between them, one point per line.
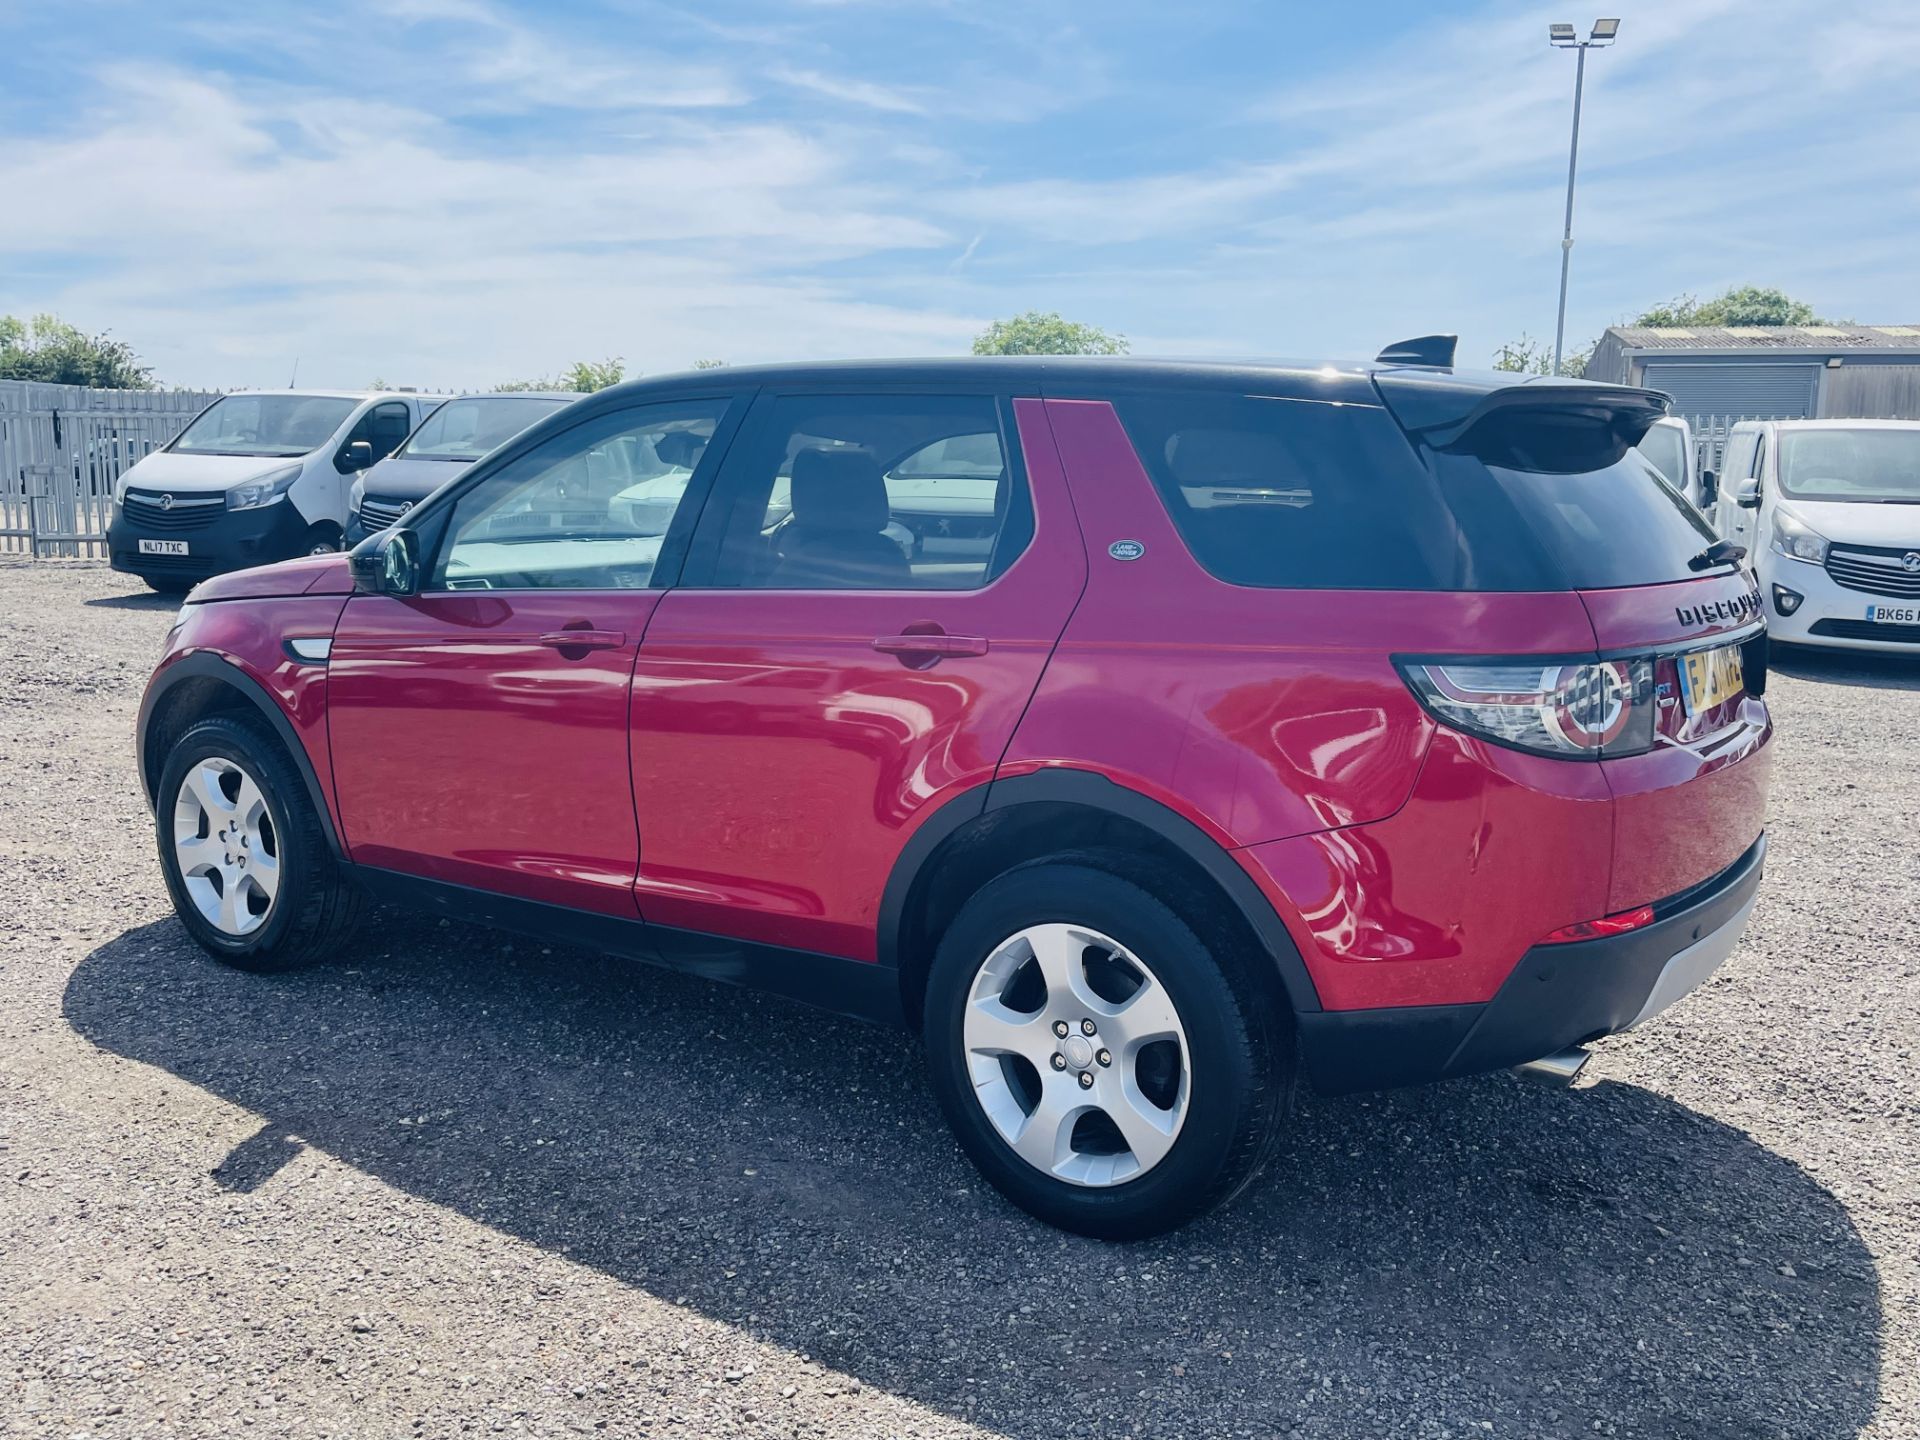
1864 465
467 428
264 425
1301 494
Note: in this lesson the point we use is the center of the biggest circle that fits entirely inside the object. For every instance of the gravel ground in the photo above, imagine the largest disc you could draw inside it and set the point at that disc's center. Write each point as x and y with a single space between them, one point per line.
460 1182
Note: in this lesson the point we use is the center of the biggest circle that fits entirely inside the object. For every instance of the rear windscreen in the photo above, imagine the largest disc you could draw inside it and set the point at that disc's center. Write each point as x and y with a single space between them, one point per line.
1303 494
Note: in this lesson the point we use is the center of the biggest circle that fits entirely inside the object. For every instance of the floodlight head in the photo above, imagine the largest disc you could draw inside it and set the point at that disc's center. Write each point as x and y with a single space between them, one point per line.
1561 35
1604 31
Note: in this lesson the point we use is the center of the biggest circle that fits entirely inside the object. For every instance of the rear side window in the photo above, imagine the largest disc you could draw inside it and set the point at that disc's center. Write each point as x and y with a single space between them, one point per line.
1295 494
1301 494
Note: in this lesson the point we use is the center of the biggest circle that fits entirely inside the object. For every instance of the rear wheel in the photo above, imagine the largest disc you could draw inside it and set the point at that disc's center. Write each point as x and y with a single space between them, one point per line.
1106 1071
245 859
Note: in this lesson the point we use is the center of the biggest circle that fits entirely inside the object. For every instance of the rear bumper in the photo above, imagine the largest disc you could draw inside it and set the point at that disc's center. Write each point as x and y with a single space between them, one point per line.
1558 995
233 540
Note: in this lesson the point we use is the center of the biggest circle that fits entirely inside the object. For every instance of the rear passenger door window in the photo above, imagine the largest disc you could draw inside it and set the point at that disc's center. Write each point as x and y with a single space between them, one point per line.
866 492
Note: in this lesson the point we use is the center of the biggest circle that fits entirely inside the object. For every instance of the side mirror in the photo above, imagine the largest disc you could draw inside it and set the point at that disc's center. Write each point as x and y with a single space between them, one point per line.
1746 493
387 564
359 455
1709 487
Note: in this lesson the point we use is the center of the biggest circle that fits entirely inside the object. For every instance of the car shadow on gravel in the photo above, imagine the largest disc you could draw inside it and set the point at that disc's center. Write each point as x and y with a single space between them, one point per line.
1847 667
1484 1250
144 600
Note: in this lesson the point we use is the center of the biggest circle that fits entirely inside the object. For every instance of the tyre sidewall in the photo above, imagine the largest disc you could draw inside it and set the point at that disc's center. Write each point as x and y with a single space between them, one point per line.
1223 1068
225 738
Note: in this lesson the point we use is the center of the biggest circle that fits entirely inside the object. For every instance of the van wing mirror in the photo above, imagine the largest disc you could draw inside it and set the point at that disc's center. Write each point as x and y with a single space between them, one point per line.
359 454
387 564
1746 493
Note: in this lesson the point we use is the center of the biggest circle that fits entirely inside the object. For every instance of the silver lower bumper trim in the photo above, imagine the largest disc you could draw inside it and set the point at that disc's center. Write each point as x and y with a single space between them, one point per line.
1690 968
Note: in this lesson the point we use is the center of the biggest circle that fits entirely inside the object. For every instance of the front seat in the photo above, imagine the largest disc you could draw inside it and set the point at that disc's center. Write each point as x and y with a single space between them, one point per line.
834 540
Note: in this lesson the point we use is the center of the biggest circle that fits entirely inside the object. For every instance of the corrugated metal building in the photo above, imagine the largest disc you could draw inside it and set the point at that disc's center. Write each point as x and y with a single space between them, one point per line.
1771 371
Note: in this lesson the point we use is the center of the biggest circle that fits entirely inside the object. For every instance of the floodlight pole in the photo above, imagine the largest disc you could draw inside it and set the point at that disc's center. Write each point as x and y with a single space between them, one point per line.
1604 32
1566 234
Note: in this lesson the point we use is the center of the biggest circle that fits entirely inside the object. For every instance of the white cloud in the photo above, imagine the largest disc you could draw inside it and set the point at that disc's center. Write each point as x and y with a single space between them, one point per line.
1421 185
847 89
495 194
368 237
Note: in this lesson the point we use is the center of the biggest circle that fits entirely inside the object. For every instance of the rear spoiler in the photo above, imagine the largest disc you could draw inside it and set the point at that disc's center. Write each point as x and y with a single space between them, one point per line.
1445 408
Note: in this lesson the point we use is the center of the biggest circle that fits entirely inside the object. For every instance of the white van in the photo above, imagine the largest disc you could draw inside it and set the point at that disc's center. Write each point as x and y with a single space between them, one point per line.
1829 511
1668 445
259 475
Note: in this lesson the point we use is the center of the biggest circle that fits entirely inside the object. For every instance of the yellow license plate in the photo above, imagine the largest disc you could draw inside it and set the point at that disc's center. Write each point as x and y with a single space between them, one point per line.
1710 677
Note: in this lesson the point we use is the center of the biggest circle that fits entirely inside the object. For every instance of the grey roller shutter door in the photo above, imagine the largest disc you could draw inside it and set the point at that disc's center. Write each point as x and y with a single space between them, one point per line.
1774 392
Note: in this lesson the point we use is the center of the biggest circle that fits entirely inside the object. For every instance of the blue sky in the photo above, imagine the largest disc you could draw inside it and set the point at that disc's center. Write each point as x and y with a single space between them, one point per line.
455 192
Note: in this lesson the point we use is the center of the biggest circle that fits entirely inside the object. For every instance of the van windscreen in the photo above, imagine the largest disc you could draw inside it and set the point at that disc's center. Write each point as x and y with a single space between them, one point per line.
1851 464
1306 494
277 425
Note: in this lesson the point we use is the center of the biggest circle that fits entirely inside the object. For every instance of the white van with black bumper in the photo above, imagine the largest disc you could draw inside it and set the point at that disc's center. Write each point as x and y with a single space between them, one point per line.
258 476
1829 512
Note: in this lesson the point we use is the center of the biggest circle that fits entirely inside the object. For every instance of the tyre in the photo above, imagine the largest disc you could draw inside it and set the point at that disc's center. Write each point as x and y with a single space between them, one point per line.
322 540
1107 1071
168 584
243 852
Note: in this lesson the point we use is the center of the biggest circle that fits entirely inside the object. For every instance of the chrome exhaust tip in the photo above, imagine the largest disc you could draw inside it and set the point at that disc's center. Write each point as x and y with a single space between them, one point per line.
1560 1069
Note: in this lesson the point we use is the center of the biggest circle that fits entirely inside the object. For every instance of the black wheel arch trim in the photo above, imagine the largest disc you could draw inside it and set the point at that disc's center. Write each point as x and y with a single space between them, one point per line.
1089 789
203 665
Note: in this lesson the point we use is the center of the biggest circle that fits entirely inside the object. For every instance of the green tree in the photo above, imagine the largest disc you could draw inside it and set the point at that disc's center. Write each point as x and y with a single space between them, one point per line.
1529 356
1036 334
50 350
586 376
1742 305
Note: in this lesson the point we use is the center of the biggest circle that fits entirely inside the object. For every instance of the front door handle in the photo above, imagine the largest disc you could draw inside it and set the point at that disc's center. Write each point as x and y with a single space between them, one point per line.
584 639
935 645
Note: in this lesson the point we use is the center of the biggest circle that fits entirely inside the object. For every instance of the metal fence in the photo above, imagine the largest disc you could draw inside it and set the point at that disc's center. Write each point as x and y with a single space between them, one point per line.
1710 435
62 447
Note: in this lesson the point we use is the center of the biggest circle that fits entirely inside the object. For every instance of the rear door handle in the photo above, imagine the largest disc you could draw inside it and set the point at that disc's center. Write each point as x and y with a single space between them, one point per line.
584 639
931 645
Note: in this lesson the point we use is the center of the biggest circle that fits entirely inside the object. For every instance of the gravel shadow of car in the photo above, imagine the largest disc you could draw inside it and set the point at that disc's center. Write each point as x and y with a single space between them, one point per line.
139 600
1874 669
1409 1262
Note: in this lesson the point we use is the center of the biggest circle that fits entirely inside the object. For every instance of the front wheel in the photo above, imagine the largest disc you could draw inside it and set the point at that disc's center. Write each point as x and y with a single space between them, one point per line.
1106 1071
241 846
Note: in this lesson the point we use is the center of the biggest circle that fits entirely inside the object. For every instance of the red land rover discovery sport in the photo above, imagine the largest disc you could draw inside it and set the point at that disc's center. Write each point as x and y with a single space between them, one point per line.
1145 734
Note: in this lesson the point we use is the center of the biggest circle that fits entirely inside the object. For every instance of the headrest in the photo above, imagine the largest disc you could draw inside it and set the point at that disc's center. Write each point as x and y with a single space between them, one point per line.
839 490
1228 457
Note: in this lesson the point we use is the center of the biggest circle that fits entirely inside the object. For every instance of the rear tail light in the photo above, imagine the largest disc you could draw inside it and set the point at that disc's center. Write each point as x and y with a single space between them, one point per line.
1569 709
1597 929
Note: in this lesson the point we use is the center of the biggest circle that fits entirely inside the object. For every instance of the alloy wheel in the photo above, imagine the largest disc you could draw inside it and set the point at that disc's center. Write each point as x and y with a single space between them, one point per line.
226 847
1077 1055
